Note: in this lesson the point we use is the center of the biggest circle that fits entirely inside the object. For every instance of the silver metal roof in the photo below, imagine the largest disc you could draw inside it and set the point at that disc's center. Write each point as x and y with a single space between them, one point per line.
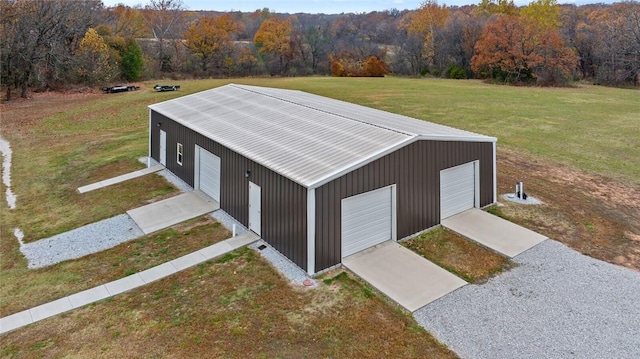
307 138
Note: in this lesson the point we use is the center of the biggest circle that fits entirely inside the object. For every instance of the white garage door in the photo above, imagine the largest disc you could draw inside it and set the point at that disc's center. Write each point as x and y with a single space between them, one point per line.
457 189
209 174
367 220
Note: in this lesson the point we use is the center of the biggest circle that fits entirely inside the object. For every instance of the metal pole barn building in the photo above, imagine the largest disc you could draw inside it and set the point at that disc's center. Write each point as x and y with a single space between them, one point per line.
317 178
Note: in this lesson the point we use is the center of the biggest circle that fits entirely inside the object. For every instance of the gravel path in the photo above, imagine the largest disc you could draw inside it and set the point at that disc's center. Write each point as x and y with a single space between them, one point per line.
557 303
92 238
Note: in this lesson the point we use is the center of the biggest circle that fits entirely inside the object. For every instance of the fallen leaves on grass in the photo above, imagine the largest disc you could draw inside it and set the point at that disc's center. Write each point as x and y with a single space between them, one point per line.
208 311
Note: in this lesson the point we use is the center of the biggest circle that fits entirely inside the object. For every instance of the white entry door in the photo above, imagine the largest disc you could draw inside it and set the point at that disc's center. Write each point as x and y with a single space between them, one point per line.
163 148
458 190
255 211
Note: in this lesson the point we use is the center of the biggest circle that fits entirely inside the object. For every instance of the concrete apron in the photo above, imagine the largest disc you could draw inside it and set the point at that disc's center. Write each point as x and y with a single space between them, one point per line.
402 275
493 232
166 213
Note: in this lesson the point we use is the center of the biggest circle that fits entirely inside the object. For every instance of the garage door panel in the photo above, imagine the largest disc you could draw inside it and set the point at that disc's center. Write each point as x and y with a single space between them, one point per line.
369 229
209 174
366 220
362 212
457 189
377 201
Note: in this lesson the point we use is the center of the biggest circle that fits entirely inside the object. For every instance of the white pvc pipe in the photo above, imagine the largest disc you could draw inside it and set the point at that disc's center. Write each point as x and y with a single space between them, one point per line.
234 230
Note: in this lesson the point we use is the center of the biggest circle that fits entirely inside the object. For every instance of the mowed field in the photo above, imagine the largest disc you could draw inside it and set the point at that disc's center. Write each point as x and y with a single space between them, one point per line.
577 149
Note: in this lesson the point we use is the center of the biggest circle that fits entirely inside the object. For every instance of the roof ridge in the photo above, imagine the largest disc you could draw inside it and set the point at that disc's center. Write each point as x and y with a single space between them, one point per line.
244 87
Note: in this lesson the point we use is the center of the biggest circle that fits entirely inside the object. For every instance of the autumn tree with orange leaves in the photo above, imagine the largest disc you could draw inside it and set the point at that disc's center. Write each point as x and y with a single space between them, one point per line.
421 28
346 65
273 40
514 50
210 39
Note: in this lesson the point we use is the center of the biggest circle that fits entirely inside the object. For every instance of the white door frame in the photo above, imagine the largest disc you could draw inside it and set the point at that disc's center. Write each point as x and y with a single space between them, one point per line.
163 148
255 208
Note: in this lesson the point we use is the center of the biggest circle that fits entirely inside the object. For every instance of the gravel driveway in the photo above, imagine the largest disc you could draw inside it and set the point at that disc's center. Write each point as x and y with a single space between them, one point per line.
557 303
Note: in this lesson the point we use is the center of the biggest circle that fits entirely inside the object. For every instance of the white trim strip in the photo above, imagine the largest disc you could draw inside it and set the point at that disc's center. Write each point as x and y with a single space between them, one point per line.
394 214
196 168
149 160
495 176
311 231
476 184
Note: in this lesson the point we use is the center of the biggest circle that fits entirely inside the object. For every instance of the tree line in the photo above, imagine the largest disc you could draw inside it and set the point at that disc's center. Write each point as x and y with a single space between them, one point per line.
51 44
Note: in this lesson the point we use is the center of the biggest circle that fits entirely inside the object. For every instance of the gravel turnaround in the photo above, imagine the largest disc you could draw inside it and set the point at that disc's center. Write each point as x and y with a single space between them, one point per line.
557 303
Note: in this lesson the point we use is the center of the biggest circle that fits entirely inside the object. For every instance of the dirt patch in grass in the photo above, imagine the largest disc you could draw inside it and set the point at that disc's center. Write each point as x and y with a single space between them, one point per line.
460 256
241 308
22 288
593 214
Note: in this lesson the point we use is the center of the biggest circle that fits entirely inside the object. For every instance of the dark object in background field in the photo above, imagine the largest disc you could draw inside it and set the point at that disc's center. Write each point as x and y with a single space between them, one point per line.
119 88
162 88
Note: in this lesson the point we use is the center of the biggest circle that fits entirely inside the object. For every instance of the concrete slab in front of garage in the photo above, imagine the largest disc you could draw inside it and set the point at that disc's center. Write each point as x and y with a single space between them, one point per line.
402 275
166 213
493 232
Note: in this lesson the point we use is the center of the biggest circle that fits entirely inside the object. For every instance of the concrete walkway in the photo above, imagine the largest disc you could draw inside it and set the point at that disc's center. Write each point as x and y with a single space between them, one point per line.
493 232
110 289
118 179
404 276
163 214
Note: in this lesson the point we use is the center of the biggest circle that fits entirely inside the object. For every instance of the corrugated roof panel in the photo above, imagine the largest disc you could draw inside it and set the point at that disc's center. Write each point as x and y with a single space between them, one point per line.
373 116
298 142
301 136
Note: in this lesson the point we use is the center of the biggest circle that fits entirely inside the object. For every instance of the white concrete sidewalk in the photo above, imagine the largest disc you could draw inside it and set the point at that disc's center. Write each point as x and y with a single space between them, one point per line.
121 178
133 281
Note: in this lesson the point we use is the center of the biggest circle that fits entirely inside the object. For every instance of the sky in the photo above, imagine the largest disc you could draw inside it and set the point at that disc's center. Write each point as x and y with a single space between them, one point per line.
318 6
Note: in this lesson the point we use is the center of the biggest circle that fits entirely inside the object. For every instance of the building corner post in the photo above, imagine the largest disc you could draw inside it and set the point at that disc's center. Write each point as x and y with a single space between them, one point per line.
311 231
495 174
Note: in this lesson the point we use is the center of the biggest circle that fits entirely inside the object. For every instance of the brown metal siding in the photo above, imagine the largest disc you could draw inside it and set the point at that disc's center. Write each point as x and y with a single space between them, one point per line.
415 169
283 202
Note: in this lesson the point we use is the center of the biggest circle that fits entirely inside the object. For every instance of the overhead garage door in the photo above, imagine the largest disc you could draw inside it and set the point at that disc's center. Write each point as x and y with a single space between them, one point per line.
457 189
367 220
209 174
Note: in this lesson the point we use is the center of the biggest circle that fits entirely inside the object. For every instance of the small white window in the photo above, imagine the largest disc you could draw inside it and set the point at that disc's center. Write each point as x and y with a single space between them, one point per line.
179 157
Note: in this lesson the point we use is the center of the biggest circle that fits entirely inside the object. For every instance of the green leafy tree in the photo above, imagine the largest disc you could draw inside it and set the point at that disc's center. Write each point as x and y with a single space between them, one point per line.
132 61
